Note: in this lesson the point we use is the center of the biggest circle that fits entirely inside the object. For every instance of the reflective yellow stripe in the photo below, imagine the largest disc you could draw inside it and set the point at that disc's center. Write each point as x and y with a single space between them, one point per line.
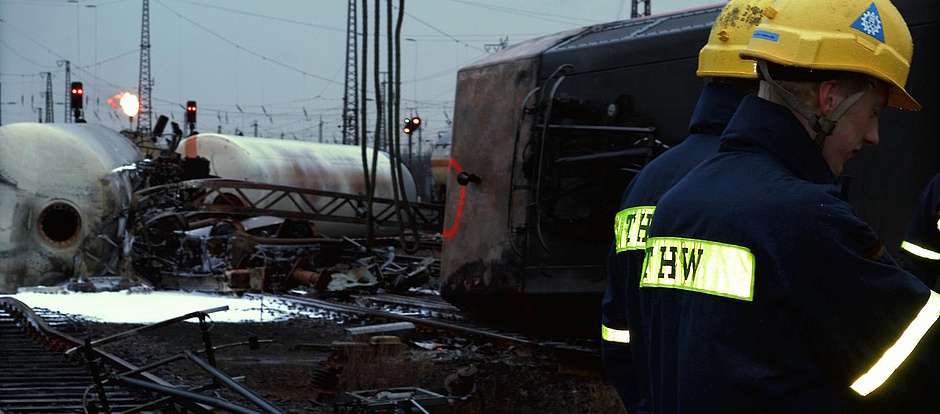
615 335
920 251
700 266
895 355
938 224
630 226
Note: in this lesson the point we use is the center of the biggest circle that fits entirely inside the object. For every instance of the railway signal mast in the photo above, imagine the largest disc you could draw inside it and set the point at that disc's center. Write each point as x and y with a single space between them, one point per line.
191 117
76 94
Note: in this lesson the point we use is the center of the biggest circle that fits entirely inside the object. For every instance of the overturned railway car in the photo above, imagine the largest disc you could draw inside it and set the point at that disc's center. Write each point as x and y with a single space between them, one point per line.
548 133
63 188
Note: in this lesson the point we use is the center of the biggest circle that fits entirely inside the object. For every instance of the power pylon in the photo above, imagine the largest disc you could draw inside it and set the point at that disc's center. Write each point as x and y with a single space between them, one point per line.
144 122
350 95
49 103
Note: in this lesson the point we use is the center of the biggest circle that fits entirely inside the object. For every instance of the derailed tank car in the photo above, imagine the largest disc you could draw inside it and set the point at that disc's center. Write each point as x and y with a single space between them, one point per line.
303 164
548 133
60 184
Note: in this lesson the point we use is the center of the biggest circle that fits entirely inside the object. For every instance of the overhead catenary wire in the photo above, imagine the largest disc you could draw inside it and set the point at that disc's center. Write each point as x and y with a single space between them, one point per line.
238 46
377 141
104 85
396 166
529 13
370 231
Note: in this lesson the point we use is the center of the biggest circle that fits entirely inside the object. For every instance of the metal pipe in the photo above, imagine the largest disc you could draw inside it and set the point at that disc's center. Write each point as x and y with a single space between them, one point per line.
418 406
228 381
178 357
538 174
512 173
193 396
135 331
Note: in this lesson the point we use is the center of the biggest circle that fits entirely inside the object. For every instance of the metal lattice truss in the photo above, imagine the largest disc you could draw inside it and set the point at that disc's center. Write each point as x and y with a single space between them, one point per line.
248 199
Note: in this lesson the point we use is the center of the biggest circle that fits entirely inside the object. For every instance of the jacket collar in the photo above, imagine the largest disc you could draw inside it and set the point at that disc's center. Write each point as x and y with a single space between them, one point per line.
762 124
714 110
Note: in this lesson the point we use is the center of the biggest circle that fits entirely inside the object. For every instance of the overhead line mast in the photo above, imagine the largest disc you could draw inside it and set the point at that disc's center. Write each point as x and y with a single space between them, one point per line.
144 122
350 96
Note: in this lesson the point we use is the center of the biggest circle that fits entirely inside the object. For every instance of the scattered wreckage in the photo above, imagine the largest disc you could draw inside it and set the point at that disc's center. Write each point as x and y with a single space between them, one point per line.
220 213
190 235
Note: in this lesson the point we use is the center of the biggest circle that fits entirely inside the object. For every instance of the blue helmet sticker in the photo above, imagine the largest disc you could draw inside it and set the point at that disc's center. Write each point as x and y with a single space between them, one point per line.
870 23
763 34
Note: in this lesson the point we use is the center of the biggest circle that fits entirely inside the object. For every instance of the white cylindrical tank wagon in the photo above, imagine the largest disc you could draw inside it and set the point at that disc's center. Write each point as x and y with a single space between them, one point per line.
440 167
303 164
58 183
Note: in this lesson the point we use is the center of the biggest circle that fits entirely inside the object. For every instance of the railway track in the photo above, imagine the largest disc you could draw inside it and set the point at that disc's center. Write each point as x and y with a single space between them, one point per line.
37 377
44 370
433 314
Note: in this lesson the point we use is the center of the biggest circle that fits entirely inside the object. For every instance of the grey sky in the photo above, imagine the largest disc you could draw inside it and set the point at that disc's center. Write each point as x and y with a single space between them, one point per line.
282 62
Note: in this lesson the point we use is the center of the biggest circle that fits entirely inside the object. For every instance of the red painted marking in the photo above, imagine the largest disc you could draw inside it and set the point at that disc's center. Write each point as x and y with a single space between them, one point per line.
191 147
448 233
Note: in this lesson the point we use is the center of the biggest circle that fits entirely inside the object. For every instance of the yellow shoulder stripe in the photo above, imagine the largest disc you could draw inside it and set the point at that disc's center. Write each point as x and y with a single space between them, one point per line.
919 251
630 227
699 266
615 335
894 356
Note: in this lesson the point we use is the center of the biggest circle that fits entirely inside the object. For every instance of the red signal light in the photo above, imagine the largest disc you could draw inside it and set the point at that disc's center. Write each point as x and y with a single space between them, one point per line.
416 121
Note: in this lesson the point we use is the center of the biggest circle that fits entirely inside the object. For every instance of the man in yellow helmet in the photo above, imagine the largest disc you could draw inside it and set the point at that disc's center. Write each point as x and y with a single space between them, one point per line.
762 290
728 80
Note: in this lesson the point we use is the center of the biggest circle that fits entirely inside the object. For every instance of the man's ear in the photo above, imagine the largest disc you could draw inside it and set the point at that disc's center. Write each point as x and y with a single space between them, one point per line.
827 96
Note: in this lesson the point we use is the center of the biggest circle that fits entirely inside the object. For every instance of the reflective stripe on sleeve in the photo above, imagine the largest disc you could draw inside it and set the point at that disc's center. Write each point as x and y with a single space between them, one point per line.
901 349
615 335
699 266
630 226
919 251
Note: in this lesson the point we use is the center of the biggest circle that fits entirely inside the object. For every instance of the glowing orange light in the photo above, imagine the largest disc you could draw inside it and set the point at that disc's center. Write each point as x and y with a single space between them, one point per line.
407 130
416 121
130 104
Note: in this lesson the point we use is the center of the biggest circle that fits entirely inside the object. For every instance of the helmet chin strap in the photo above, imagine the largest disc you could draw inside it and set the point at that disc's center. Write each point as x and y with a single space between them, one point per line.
821 124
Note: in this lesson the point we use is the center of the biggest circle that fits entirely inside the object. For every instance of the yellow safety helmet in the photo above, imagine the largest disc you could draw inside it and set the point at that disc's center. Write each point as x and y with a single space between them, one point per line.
862 36
729 36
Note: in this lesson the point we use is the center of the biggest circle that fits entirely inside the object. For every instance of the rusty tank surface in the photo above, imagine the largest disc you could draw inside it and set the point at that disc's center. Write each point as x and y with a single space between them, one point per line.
549 132
62 190
302 164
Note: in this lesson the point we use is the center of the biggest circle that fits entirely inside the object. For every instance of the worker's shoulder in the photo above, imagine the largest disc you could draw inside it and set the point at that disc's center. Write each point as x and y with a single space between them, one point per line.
663 172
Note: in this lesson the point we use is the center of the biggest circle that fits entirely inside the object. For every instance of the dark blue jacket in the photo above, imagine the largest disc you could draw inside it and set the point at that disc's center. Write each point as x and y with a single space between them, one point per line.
764 292
920 250
619 307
